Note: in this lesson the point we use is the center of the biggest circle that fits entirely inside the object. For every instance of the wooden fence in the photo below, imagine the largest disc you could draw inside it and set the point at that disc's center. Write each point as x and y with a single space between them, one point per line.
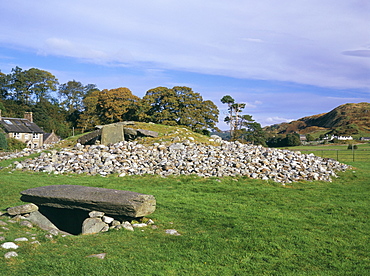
342 155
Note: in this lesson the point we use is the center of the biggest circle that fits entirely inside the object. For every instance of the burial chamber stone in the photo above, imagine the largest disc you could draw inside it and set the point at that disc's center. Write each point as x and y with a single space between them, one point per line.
111 202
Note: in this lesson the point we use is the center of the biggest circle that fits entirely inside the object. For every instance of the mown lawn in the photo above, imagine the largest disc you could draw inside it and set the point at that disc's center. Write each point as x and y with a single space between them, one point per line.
230 226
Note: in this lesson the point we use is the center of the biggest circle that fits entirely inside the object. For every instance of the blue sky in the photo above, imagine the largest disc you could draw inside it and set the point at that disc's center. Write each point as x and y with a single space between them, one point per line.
285 60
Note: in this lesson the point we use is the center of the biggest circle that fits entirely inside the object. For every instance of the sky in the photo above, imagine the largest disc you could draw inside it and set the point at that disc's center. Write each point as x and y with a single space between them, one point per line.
284 59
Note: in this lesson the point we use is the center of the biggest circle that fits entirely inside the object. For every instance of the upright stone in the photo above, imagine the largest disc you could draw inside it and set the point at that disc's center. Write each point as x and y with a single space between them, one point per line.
112 134
111 202
93 226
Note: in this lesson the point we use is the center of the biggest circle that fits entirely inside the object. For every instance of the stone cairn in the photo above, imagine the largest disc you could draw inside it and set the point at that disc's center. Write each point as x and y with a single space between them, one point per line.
185 158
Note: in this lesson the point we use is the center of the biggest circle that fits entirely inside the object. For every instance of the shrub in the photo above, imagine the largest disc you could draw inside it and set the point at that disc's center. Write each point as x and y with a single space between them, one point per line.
3 142
14 144
351 145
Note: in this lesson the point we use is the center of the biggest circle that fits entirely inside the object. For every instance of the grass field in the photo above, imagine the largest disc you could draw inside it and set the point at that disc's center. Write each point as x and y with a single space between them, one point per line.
338 152
230 226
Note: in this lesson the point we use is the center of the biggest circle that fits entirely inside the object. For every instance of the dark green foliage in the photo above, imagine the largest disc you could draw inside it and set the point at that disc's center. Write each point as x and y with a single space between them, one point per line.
48 115
309 137
179 106
291 139
351 146
243 127
14 144
3 142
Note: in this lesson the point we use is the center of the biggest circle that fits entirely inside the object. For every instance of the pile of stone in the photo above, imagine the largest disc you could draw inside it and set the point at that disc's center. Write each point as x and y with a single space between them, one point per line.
185 158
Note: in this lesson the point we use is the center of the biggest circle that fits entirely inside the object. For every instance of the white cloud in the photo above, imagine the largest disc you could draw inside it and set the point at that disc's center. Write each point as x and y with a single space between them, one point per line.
276 120
307 42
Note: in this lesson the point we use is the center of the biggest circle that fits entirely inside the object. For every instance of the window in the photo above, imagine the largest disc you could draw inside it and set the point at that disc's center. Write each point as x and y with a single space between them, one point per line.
35 136
8 122
17 135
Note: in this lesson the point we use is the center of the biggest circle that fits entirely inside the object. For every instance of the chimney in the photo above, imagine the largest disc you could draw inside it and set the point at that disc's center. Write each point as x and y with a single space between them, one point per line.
28 116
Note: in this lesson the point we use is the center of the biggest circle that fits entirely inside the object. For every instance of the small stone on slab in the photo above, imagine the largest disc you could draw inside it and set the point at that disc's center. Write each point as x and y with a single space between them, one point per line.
96 214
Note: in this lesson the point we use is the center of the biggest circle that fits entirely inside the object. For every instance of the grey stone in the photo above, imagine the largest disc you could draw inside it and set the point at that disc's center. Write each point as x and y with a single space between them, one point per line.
96 214
21 239
54 232
90 138
9 245
130 133
92 226
2 238
172 232
22 209
127 225
107 219
10 254
139 225
112 134
41 221
109 201
147 133
99 256
3 223
26 223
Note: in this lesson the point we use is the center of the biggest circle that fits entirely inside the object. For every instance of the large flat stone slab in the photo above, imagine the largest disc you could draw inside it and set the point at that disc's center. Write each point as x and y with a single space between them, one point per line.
111 202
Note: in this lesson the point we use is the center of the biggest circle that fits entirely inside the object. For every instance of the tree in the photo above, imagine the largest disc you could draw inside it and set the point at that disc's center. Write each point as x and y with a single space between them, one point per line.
233 119
309 137
50 116
242 127
89 118
72 94
292 139
33 84
250 131
3 85
117 105
179 106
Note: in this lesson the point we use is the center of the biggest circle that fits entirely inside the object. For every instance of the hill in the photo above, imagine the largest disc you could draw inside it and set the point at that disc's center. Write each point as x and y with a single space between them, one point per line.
347 119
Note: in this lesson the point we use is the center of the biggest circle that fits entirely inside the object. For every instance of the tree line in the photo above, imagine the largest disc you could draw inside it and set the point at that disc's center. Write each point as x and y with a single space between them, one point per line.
73 105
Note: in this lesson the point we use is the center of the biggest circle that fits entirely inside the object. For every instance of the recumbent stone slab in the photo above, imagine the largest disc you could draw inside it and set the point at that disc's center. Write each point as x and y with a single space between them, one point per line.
110 201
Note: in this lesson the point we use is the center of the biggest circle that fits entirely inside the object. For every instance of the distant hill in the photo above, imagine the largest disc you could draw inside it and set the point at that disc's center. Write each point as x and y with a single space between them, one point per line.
347 119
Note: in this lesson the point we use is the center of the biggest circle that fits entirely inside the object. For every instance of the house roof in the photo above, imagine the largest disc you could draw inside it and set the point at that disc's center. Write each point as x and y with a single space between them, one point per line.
19 125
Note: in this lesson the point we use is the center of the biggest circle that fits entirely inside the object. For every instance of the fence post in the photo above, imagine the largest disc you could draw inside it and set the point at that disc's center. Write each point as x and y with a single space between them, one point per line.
337 155
353 154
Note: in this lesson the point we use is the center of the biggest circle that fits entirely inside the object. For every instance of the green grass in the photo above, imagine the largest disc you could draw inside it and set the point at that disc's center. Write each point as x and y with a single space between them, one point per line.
338 152
231 226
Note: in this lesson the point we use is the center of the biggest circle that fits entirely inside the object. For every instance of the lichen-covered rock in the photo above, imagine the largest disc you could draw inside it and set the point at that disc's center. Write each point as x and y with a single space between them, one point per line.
110 201
22 209
93 226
